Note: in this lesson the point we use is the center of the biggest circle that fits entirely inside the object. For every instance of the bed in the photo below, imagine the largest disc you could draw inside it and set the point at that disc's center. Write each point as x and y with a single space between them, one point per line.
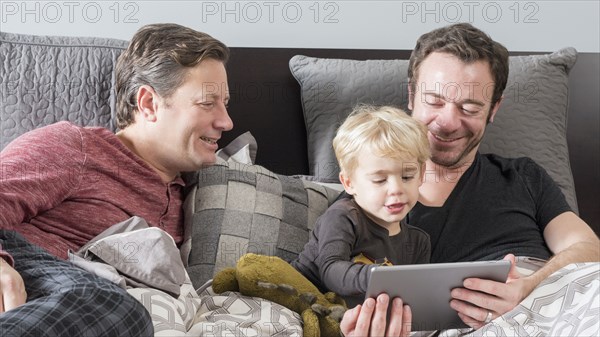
285 104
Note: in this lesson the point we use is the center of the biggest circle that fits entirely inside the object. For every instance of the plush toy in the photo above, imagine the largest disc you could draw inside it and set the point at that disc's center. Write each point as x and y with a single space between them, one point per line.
272 278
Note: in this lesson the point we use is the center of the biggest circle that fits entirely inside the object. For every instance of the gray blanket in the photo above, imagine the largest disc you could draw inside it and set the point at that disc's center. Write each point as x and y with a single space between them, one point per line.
133 254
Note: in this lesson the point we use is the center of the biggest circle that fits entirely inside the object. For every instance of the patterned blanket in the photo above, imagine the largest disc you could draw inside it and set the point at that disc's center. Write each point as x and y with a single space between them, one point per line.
565 304
204 313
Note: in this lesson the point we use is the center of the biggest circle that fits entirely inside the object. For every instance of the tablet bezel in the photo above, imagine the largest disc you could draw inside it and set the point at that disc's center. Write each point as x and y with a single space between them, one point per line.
426 288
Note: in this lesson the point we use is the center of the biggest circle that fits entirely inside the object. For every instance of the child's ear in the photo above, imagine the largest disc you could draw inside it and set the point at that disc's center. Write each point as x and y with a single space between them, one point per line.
346 182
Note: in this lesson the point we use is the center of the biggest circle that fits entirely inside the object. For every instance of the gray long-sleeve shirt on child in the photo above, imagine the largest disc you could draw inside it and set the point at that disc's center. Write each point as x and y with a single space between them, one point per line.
343 234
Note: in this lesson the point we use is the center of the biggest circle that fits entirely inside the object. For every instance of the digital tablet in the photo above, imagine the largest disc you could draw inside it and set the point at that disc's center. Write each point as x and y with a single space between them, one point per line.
426 288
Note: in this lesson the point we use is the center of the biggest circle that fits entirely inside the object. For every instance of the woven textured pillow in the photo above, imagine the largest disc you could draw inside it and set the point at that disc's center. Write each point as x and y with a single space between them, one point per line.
532 120
236 209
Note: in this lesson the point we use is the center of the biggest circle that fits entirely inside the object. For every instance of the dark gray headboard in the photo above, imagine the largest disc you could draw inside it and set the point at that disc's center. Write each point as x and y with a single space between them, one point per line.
266 101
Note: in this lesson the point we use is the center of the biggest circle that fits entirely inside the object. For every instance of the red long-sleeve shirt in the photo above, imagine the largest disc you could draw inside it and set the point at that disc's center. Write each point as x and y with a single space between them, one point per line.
62 185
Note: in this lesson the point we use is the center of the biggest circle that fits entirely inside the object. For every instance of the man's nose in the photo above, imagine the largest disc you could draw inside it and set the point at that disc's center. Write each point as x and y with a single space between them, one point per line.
224 121
449 118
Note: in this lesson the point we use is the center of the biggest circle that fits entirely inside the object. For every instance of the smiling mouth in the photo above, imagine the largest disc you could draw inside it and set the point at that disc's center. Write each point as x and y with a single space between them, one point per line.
443 139
209 140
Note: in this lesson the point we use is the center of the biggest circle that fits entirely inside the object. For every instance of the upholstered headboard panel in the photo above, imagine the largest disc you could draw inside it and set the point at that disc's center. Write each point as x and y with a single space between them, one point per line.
266 101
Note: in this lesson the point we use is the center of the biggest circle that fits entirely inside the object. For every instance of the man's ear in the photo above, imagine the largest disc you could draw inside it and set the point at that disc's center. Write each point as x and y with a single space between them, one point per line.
494 110
147 103
346 182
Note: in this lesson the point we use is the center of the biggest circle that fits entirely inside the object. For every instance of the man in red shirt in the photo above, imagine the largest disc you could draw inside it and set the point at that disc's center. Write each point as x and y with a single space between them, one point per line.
63 184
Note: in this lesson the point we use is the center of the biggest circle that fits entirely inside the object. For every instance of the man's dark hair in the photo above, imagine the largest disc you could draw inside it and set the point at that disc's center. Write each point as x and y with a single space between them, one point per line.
467 43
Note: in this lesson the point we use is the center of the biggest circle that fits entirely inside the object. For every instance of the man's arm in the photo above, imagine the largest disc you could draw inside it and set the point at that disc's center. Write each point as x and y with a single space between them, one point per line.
569 238
39 170
36 174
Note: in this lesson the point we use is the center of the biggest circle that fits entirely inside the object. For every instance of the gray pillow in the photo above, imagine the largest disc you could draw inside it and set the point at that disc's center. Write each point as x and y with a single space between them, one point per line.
242 149
55 79
235 208
330 88
532 120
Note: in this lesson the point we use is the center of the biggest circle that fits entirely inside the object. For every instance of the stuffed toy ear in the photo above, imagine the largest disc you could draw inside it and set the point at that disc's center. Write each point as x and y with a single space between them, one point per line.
225 280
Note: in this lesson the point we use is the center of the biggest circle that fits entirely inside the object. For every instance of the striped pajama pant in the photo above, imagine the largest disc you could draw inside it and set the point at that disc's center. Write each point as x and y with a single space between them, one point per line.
64 300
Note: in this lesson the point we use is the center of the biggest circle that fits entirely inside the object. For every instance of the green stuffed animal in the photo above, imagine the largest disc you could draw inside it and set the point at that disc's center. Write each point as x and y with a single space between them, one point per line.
272 278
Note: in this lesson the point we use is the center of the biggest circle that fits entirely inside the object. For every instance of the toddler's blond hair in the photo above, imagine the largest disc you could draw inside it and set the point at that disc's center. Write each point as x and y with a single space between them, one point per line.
385 130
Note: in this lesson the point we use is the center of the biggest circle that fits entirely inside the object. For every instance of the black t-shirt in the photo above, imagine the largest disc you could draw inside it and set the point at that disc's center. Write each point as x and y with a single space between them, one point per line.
499 206
344 232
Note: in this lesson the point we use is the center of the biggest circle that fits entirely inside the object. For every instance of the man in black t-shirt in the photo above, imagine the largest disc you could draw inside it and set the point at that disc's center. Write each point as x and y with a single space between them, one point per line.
474 206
